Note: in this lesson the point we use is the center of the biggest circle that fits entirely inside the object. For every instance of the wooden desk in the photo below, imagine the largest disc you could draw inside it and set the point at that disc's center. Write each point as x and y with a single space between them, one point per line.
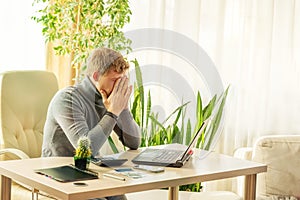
213 167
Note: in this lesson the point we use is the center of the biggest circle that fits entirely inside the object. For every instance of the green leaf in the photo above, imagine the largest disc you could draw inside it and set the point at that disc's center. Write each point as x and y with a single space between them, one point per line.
112 145
176 110
208 109
148 108
140 89
188 134
199 113
216 120
176 134
157 123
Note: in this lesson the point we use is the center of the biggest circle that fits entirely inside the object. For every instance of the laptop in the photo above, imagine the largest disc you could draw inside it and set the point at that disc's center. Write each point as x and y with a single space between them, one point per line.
169 157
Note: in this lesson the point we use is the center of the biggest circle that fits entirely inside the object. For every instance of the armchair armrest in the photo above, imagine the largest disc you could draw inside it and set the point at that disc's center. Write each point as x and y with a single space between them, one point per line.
14 151
244 153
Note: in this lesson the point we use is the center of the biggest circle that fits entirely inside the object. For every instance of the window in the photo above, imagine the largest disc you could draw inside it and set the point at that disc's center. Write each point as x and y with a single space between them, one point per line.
22 45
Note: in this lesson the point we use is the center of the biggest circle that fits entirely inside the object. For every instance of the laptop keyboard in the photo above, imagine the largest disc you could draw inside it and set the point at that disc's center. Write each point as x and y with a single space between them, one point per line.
168 156
159 157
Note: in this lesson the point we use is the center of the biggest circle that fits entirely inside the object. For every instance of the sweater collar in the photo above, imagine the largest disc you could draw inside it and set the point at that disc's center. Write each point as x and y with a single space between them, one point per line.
89 90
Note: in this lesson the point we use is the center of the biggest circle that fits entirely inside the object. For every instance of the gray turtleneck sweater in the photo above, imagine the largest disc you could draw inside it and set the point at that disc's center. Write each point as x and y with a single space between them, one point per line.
78 111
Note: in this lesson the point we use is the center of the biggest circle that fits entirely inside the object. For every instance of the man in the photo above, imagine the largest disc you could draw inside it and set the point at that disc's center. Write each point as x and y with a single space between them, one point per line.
93 108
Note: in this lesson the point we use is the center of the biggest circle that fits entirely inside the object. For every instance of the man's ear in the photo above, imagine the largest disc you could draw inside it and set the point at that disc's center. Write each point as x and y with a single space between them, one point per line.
96 76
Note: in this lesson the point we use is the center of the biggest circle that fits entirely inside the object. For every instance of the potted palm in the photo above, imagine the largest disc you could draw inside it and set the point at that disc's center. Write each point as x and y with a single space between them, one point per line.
155 132
83 153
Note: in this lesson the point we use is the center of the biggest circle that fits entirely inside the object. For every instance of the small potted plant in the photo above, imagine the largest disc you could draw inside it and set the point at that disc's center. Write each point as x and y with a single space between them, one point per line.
83 153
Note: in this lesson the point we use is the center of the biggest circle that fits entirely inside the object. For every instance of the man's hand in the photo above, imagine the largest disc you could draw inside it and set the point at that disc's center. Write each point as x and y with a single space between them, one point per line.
118 99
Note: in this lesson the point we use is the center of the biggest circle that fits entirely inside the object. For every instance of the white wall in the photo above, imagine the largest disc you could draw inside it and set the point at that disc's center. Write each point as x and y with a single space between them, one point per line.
21 42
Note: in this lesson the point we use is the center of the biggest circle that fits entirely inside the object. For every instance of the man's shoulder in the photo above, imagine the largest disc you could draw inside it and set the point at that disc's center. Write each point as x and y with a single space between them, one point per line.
64 97
66 93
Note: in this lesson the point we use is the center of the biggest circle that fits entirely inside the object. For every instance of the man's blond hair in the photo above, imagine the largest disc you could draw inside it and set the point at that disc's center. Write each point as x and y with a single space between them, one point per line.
104 59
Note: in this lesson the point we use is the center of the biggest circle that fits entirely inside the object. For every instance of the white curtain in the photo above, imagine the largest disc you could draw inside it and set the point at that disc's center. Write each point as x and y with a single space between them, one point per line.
255 45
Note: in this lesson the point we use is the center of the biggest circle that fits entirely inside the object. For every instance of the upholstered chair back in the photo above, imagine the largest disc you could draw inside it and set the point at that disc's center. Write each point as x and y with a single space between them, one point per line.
282 155
24 100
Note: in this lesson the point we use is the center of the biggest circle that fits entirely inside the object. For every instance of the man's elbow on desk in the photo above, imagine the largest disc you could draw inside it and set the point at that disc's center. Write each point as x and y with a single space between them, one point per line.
133 143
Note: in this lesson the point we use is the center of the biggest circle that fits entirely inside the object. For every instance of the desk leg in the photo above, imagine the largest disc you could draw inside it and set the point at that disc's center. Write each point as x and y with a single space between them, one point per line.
34 194
5 188
173 193
250 187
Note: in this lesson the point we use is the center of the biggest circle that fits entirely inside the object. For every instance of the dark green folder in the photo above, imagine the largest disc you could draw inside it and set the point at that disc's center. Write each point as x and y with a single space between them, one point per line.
67 173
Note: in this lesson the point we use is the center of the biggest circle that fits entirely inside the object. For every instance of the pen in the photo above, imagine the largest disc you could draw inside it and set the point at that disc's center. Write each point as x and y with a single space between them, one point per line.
115 177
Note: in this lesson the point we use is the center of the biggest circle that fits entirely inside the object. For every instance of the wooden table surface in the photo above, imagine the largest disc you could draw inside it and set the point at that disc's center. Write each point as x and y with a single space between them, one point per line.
212 167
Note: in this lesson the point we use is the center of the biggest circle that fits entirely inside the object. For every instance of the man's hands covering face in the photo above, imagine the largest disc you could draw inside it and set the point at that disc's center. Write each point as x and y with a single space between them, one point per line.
118 99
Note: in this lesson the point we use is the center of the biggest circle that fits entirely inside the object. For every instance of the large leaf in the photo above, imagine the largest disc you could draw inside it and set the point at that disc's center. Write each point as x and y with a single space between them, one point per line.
199 113
112 145
179 108
216 121
157 123
135 109
209 108
175 134
140 89
148 108
188 133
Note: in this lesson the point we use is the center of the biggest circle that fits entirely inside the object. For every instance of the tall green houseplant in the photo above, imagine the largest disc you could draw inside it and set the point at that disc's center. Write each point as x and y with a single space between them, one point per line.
78 26
180 129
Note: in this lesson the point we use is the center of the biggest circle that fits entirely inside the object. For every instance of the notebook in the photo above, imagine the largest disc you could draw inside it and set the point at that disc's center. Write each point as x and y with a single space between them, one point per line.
67 173
169 157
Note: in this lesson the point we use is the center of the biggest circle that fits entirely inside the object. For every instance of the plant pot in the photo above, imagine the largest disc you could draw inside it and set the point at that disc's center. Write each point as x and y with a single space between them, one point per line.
82 163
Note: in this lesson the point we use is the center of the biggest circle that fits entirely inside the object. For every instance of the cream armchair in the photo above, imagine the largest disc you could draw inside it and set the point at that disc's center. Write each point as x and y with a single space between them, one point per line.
24 100
282 155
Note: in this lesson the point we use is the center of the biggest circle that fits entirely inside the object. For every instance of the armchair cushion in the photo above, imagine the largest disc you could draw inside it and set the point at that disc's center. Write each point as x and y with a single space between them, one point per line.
277 197
282 155
24 100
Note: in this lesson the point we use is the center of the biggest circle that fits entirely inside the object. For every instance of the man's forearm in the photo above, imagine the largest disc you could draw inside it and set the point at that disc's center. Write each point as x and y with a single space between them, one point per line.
99 134
131 132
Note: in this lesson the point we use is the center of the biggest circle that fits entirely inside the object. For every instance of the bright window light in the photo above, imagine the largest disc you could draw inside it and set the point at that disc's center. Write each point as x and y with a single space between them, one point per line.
22 44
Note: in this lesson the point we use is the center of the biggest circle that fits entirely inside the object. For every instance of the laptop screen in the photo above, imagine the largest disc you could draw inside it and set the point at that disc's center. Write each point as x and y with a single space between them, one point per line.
195 138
